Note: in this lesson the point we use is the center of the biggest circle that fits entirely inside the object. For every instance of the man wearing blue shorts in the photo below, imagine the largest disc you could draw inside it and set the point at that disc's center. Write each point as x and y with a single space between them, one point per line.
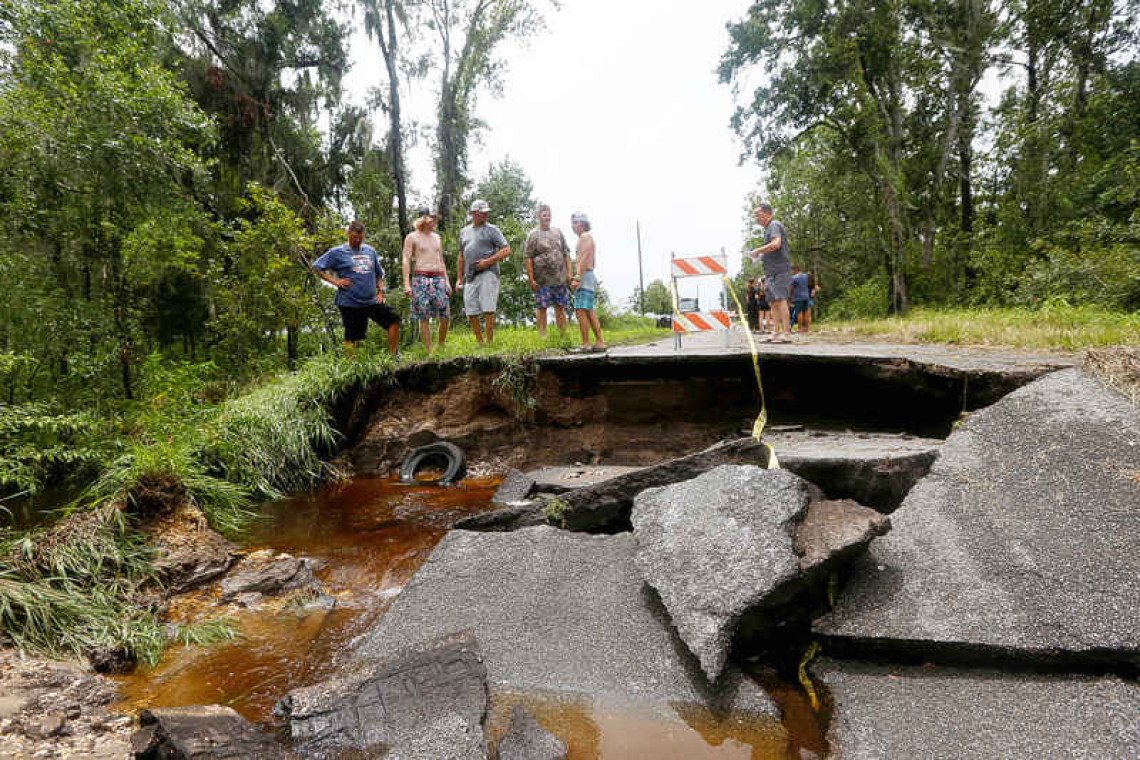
355 270
585 285
481 248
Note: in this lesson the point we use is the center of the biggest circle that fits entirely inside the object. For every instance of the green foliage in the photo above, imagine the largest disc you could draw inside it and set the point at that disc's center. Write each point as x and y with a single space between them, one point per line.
554 511
867 300
72 589
1054 325
870 124
38 446
152 468
516 381
206 632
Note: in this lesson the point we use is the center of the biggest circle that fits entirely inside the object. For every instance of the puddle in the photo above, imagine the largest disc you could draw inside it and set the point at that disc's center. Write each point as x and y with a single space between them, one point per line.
369 536
616 731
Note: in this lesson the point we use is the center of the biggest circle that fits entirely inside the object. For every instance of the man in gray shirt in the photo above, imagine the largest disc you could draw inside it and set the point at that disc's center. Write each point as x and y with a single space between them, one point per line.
777 271
481 248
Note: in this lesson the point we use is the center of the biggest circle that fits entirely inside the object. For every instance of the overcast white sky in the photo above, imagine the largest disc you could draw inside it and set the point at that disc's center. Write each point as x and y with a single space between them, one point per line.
615 111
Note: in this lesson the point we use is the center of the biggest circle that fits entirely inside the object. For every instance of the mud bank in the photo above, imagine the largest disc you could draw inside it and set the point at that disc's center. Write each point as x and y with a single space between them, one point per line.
642 408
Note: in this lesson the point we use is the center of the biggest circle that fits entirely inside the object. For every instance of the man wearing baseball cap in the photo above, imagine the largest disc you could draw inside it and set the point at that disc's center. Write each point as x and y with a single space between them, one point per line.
481 248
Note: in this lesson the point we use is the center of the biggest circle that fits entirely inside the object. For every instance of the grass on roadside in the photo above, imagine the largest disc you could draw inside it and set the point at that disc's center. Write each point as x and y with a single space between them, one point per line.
73 589
1053 327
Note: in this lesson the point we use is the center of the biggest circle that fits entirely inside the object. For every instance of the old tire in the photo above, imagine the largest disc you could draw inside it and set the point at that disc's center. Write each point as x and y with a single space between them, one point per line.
454 471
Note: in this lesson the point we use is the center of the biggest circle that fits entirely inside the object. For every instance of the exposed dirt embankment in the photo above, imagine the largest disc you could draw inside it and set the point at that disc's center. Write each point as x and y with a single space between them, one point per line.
635 410
540 416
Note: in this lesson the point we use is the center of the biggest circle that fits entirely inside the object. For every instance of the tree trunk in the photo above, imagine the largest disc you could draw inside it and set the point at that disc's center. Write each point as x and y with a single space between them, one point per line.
395 135
291 347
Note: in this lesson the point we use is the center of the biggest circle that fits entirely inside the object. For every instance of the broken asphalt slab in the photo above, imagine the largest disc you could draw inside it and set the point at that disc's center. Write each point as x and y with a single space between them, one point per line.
426 701
940 713
874 469
604 506
1023 541
740 541
201 733
561 614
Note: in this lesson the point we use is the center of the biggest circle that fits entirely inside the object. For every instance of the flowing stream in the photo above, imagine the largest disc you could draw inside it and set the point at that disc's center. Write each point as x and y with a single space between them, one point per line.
368 537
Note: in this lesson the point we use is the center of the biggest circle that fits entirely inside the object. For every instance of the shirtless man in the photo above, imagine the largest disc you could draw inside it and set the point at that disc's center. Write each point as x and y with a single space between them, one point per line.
428 289
585 284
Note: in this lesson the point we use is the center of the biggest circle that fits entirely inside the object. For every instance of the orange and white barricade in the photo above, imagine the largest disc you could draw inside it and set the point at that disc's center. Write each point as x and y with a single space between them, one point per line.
699 321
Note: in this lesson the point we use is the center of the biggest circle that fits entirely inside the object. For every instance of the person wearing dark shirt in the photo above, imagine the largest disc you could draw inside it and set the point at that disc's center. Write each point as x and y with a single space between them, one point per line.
355 270
752 304
803 291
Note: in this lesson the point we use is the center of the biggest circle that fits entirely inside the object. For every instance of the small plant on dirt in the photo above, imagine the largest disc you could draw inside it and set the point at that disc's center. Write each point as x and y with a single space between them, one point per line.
516 382
555 512
206 632
155 476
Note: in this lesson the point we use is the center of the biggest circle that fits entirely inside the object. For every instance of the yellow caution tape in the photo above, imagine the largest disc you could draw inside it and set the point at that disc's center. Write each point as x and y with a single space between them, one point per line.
762 420
805 679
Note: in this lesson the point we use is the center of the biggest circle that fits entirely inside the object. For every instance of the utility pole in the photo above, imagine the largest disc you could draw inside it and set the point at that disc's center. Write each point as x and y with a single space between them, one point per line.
640 275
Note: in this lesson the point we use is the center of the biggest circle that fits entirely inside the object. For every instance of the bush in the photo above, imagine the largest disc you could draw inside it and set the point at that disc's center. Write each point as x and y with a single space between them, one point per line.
865 301
39 446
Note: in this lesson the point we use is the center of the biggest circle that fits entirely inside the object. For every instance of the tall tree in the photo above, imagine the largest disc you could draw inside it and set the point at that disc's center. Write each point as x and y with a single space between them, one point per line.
97 173
469 33
380 17
267 70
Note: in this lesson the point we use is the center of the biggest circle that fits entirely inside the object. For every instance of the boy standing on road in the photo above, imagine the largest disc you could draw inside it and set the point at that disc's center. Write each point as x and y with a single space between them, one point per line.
585 285
359 278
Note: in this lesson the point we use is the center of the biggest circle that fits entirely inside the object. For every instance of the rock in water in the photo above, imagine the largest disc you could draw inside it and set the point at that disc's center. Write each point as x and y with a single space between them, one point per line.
729 543
201 733
559 614
515 488
527 740
1024 539
424 702
973 714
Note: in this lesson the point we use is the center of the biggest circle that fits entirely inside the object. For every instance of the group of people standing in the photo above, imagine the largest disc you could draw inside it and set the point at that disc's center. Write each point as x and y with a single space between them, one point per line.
355 270
768 296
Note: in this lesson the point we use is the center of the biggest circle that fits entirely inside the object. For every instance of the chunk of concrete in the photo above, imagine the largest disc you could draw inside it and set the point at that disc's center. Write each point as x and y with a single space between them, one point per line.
934 712
560 614
1021 542
515 488
527 740
570 478
606 505
201 733
728 543
424 701
836 531
266 574
874 469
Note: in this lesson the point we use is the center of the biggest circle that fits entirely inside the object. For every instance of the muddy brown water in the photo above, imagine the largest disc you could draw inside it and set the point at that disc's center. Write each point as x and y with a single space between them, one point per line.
369 536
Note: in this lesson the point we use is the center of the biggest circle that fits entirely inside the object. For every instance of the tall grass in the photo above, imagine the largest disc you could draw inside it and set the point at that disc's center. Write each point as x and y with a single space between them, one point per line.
73 589
1055 326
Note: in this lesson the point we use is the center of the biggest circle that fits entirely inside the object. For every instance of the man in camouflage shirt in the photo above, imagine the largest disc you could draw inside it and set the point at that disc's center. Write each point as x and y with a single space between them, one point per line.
548 267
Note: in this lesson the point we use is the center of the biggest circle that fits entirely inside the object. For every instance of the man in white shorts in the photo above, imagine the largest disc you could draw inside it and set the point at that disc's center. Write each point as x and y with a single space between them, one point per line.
481 248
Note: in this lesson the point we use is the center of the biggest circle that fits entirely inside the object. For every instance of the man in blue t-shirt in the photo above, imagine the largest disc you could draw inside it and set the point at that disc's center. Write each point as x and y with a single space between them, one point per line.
359 278
777 271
